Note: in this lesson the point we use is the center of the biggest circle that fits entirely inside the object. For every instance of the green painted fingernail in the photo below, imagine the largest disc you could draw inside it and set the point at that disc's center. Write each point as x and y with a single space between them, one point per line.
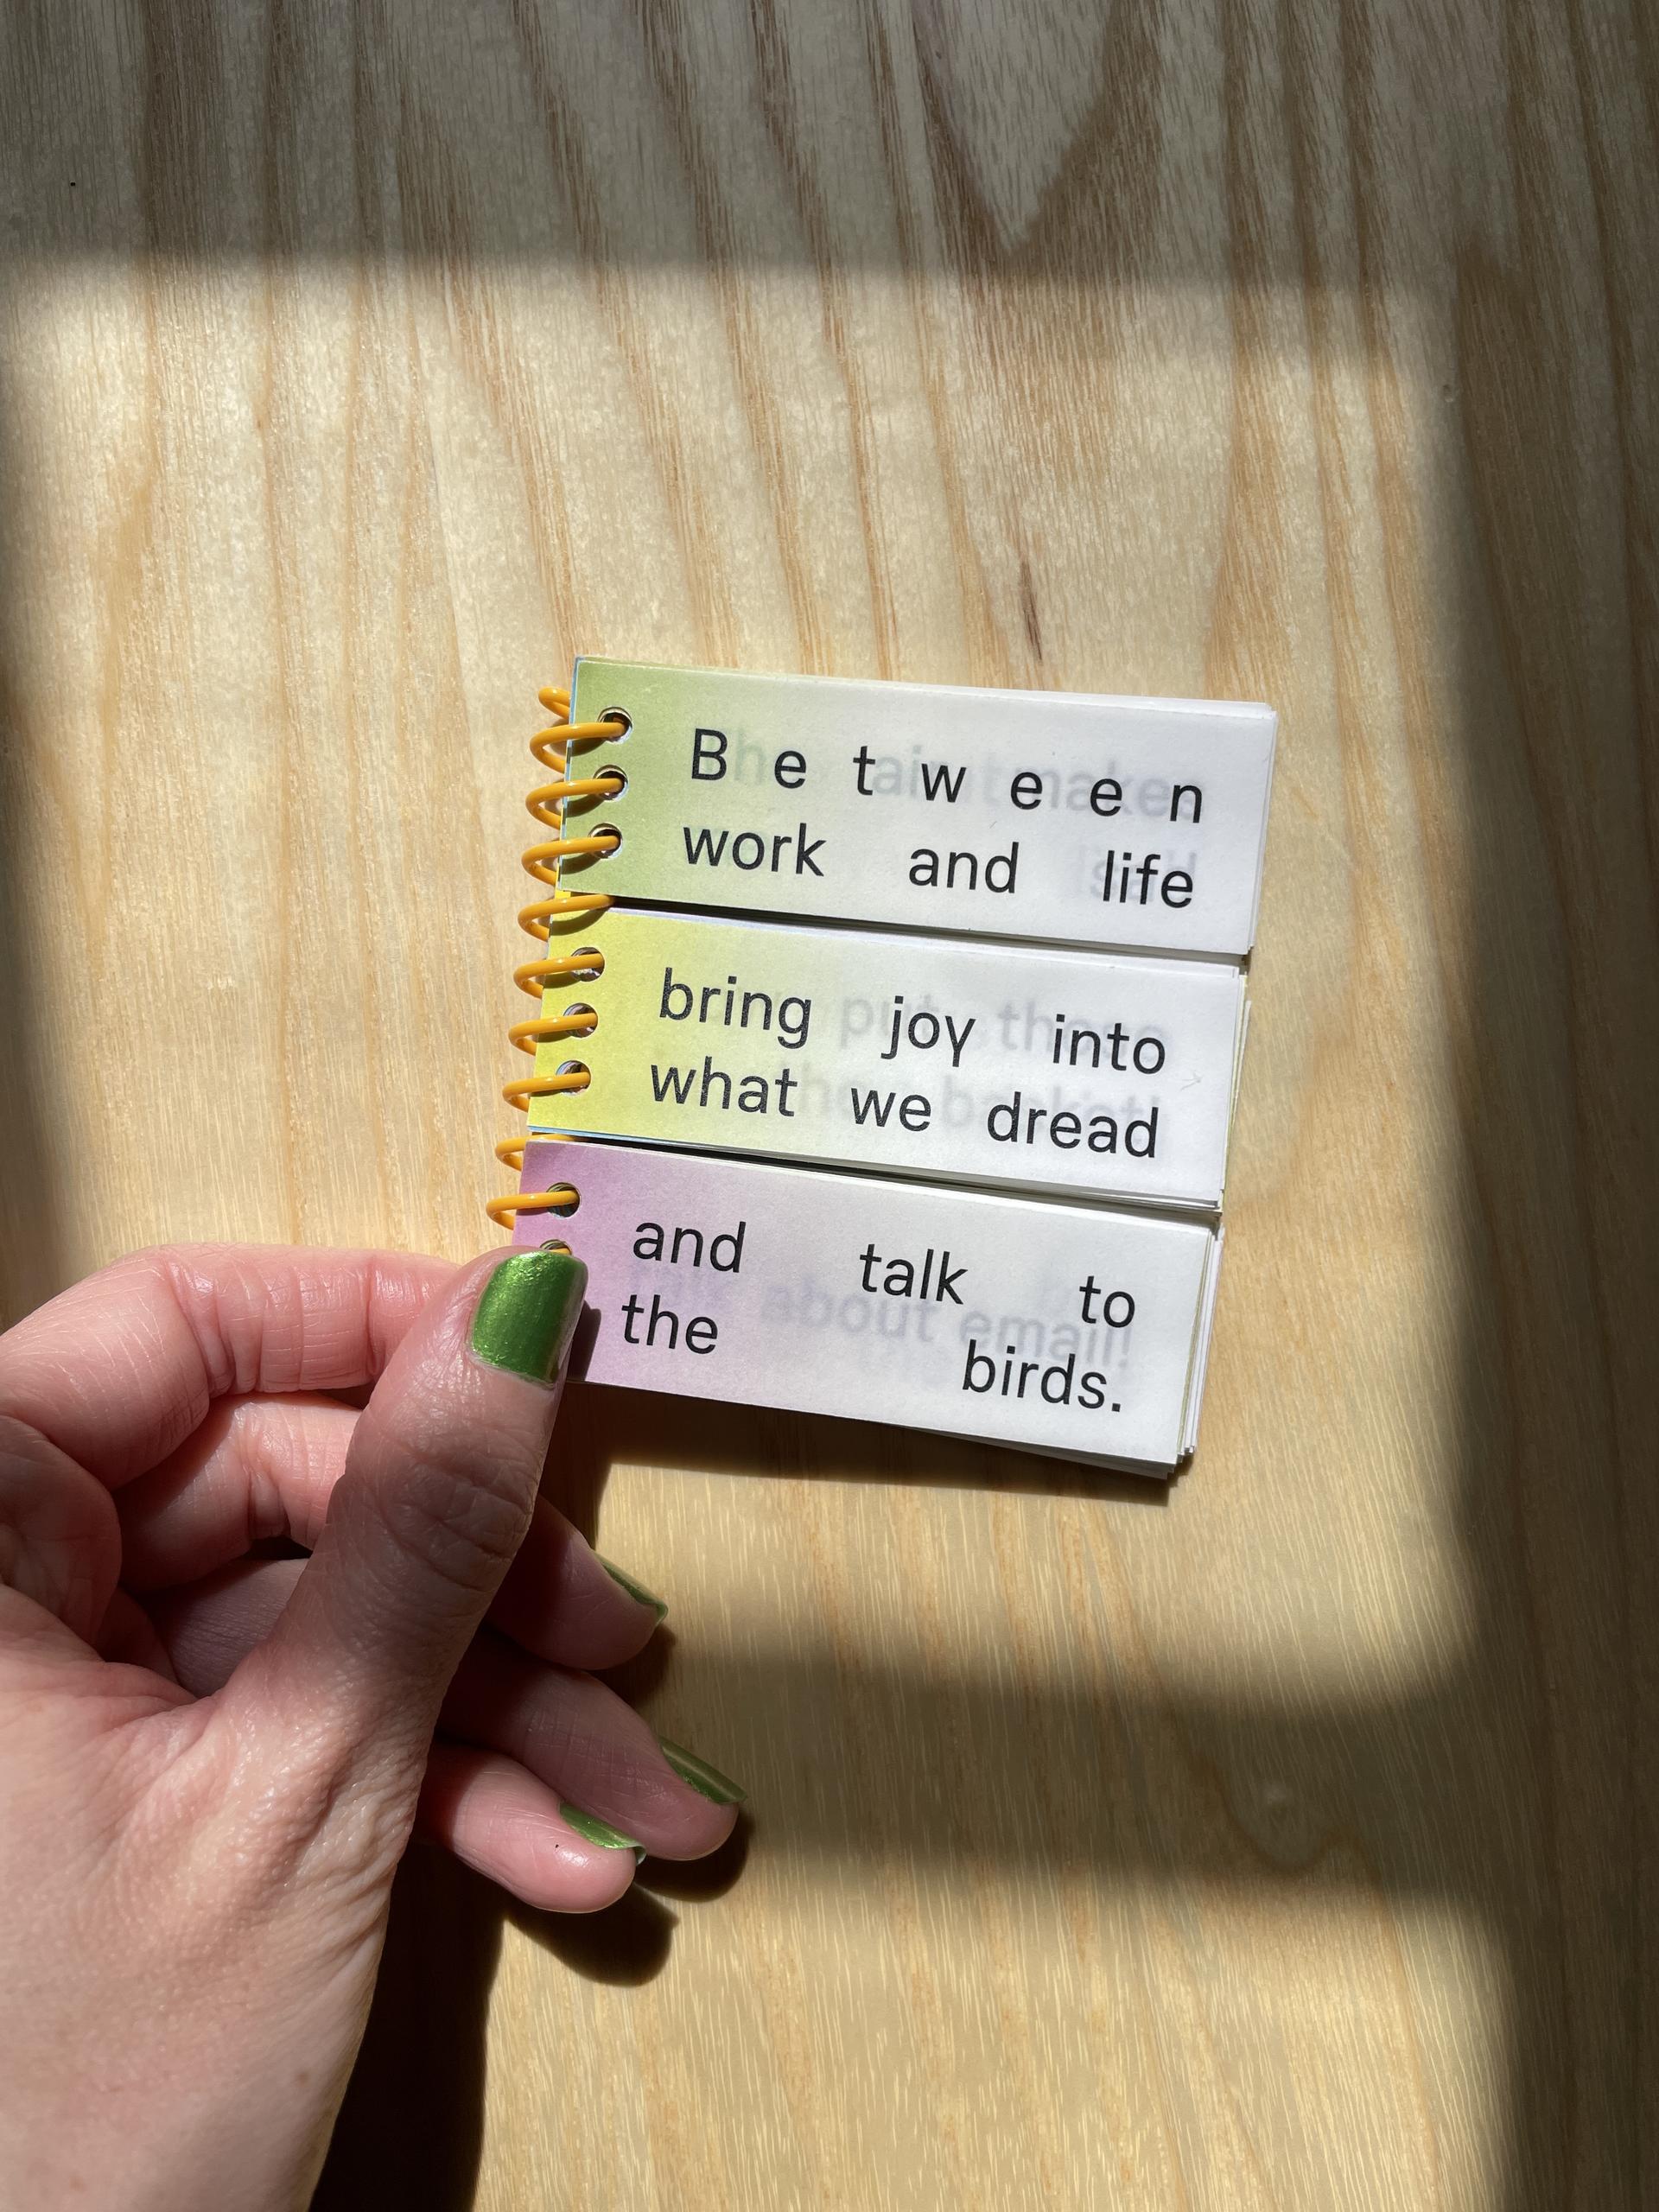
598 1831
707 1781
527 1313
635 1590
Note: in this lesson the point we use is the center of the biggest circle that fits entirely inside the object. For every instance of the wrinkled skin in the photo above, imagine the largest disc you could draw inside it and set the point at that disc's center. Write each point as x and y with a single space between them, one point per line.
211 1762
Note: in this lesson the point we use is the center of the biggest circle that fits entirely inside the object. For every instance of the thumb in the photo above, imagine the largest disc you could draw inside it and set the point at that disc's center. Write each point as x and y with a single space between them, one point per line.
438 1487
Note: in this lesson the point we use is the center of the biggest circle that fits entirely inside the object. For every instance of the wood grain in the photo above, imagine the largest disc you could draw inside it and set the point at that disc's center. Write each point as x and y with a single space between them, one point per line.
1289 1841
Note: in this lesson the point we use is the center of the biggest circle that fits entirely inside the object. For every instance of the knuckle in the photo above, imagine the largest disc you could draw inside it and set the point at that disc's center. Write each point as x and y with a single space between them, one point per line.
463 1517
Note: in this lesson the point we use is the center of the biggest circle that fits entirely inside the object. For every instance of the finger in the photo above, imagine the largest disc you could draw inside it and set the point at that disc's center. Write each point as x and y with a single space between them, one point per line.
439 1483
595 1753
575 1736
59 1544
256 1469
499 1818
486 1807
118 1371
208 1628
127 1637
561 1601
262 1468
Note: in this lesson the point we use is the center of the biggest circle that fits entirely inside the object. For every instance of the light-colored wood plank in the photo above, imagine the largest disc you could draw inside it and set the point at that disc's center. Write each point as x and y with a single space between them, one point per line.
1289 1841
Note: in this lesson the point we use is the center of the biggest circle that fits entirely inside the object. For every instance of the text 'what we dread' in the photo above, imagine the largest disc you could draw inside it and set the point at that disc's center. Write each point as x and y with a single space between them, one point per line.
912 1041
1123 875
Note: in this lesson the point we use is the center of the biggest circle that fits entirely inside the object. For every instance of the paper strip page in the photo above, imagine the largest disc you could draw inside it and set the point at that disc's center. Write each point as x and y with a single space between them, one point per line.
1079 1072
1066 1328
1048 816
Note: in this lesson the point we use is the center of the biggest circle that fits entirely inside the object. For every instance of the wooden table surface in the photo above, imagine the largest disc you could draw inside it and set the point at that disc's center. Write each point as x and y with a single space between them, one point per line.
1287 1840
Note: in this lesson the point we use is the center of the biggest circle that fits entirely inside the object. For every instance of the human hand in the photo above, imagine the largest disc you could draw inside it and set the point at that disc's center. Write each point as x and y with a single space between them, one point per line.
210 1763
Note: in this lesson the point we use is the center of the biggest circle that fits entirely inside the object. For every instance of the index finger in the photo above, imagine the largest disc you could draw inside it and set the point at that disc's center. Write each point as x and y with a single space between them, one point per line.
118 1371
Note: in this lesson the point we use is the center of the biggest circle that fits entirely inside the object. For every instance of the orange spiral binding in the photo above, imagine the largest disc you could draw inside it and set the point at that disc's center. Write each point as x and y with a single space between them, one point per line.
545 862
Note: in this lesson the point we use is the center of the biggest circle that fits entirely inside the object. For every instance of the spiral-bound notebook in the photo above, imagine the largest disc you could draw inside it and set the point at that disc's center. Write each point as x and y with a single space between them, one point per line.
888 1041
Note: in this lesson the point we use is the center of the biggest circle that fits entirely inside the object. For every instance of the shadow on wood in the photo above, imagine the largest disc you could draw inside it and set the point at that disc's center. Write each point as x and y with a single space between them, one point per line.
1516 1789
